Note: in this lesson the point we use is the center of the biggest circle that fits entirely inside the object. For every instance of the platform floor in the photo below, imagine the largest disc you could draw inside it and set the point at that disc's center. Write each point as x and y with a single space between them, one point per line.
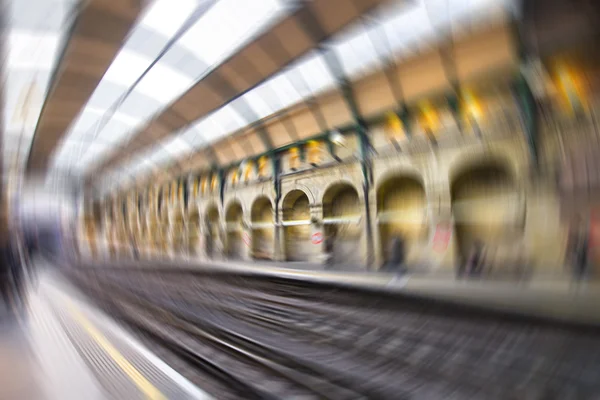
61 347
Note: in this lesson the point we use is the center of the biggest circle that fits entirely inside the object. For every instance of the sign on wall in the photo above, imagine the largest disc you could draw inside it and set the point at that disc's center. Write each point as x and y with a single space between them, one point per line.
441 237
247 239
317 238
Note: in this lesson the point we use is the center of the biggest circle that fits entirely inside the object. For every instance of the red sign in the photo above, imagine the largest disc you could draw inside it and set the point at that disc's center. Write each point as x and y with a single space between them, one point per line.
441 238
246 238
317 238
594 233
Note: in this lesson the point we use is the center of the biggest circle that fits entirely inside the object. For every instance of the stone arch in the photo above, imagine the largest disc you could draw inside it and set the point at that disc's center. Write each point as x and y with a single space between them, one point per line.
332 186
177 229
234 220
232 201
298 187
488 208
258 209
402 220
467 161
297 225
406 170
343 224
193 229
212 231
262 222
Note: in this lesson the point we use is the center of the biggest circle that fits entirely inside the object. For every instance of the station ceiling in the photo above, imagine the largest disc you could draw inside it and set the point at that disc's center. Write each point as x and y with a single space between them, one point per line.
168 80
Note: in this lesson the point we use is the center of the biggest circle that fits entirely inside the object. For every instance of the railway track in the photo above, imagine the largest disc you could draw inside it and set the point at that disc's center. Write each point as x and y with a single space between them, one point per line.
256 337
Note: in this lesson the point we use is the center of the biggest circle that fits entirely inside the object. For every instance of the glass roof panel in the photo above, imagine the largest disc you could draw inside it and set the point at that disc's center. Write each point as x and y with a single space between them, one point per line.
262 101
126 68
34 33
315 72
177 147
228 119
163 83
280 92
408 28
227 25
90 115
166 16
357 52
32 50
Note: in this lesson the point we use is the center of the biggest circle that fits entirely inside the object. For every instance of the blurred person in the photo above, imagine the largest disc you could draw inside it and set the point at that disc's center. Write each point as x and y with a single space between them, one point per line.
136 254
13 279
396 261
476 260
329 243
209 240
580 249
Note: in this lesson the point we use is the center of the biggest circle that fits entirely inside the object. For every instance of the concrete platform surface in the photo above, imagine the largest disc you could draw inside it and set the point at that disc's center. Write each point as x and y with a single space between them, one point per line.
61 347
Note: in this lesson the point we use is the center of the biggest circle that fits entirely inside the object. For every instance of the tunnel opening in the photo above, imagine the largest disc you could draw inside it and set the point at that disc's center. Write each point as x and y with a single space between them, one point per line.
212 240
487 208
296 222
263 229
234 226
402 213
341 218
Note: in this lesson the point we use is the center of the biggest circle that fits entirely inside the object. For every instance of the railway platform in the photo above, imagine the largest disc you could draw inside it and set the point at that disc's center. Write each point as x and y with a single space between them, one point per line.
62 347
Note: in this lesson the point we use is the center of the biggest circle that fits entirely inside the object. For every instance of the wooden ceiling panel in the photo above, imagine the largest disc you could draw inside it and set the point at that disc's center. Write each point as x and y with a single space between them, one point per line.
234 78
199 161
335 110
103 25
187 108
374 95
256 145
278 133
223 152
98 33
237 146
490 50
170 119
247 72
333 14
126 8
305 123
292 37
200 98
260 59
422 75
86 56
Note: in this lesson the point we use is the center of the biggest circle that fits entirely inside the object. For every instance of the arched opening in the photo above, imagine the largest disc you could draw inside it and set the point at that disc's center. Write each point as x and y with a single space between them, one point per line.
212 237
296 222
487 208
402 214
233 220
342 217
193 230
94 228
164 229
263 232
178 232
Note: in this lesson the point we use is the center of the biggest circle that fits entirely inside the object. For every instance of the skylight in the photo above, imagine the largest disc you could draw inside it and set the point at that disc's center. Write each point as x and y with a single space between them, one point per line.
227 25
